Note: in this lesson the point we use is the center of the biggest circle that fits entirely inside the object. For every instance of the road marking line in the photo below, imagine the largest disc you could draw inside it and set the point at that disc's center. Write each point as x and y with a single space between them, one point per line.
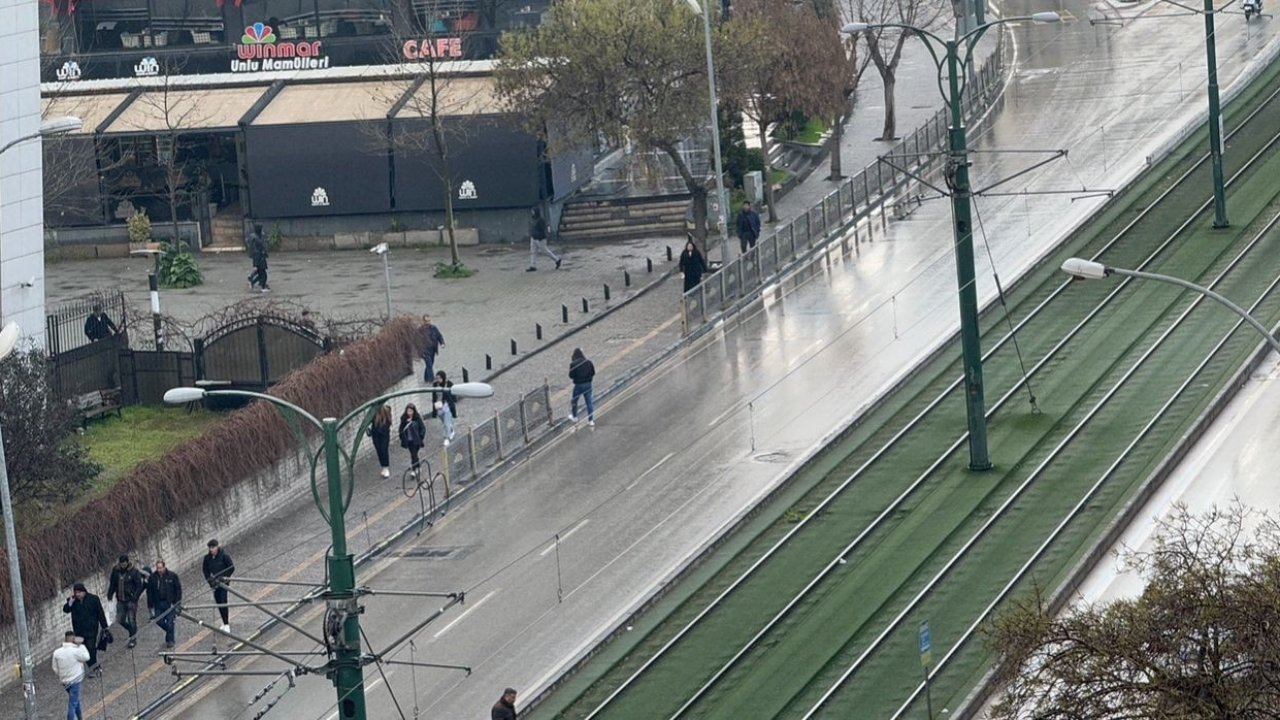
465 613
646 472
562 538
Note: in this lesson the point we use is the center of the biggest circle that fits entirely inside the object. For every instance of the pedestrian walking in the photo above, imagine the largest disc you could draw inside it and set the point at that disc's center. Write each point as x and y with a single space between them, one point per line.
98 325
582 372
87 618
258 254
413 434
218 568
538 241
164 599
445 406
435 341
125 586
748 227
380 432
693 265
505 708
69 665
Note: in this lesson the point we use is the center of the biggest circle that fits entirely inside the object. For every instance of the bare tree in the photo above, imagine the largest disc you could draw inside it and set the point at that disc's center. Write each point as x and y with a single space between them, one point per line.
884 45
176 113
439 100
619 68
1200 642
783 58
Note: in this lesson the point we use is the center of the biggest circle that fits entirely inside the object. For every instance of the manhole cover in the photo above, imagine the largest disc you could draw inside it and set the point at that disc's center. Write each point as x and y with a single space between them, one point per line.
772 457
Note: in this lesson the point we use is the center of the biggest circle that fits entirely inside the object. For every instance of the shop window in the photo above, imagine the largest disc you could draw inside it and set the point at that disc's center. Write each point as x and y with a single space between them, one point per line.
185 22
288 19
353 18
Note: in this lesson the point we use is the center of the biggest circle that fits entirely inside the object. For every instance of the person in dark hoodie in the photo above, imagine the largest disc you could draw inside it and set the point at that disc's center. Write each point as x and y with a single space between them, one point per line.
125 586
582 372
693 265
505 708
218 568
380 432
87 618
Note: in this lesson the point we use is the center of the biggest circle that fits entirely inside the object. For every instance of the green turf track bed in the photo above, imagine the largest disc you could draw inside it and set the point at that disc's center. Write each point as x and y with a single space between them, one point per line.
1115 376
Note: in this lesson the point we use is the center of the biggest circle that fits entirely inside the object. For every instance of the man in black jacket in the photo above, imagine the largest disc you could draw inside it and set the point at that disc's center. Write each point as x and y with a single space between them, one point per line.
87 617
218 568
164 599
582 372
257 246
126 586
99 326
505 708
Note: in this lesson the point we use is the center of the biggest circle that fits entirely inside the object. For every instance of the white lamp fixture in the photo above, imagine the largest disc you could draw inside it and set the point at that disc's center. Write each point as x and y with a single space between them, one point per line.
9 339
59 125
1082 269
183 395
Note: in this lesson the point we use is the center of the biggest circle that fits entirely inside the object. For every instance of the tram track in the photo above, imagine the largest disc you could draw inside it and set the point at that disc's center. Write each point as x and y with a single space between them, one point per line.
1125 247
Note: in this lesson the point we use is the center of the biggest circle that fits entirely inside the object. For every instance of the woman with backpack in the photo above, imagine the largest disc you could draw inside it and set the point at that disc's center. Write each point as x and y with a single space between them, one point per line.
413 434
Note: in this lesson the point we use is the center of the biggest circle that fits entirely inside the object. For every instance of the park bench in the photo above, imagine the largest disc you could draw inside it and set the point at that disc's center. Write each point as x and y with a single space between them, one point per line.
97 403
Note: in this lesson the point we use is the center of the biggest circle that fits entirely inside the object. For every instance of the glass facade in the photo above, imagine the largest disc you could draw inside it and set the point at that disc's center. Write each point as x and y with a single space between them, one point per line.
95 39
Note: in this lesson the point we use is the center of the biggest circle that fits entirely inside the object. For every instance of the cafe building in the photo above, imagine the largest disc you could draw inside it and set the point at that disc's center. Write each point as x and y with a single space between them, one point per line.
307 117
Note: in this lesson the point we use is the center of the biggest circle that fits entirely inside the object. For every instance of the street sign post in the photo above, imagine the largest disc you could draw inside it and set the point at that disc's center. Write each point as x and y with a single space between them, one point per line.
926 659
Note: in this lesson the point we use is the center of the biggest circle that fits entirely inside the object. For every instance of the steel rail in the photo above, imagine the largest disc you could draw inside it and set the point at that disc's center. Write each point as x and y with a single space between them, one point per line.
1041 307
1044 465
1075 511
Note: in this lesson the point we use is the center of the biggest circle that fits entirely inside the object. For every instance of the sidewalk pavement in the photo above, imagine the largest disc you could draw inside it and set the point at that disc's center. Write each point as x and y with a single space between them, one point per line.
476 315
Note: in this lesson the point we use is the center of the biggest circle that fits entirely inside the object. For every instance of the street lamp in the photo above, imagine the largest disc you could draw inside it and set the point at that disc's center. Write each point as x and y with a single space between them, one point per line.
703 10
53 126
8 341
1081 269
346 662
1215 121
961 212
381 249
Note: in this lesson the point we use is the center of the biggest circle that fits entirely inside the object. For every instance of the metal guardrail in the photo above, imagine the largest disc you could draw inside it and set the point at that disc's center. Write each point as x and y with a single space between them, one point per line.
490 441
851 202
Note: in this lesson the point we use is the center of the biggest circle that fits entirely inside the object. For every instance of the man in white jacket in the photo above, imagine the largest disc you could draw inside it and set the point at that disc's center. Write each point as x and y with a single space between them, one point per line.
68 663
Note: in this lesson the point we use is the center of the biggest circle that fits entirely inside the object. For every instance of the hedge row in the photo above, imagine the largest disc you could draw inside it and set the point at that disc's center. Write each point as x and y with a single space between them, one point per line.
182 481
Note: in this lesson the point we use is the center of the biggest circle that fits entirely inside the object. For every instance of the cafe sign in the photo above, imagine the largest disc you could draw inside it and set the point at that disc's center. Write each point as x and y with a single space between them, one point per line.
260 50
433 49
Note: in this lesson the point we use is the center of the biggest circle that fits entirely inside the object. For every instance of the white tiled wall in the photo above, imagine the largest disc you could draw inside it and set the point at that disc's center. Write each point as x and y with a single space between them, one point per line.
21 195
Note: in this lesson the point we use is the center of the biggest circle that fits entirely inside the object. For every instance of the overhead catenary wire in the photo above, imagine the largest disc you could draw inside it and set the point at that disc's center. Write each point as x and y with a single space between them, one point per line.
1013 332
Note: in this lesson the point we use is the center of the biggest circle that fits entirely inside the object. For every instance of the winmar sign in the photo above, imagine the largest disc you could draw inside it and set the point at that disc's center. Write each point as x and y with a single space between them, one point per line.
259 51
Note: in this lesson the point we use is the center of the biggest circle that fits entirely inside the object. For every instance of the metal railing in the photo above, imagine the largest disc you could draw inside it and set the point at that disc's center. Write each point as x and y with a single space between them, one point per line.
854 200
491 441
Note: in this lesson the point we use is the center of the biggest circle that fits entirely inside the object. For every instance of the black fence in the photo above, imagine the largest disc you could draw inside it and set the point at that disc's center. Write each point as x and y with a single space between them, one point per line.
64 325
89 367
255 353
147 375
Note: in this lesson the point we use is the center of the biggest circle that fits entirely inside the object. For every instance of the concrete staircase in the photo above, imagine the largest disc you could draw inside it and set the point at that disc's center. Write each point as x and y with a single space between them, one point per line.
624 218
228 230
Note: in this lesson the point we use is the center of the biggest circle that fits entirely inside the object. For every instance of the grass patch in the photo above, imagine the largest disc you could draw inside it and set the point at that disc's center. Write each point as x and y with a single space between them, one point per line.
811 134
778 176
450 271
142 432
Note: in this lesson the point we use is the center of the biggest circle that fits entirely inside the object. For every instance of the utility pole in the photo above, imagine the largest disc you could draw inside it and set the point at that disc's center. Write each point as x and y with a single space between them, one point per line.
1215 122
342 621
962 218
15 587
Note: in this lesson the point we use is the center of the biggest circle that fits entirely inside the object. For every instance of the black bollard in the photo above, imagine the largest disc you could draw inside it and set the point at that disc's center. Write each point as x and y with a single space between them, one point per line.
649 264
488 361
669 255
606 292
466 376
537 330
513 347
585 307
626 278
564 313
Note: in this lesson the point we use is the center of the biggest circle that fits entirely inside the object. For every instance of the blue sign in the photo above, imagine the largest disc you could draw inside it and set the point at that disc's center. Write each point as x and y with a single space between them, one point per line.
926 644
